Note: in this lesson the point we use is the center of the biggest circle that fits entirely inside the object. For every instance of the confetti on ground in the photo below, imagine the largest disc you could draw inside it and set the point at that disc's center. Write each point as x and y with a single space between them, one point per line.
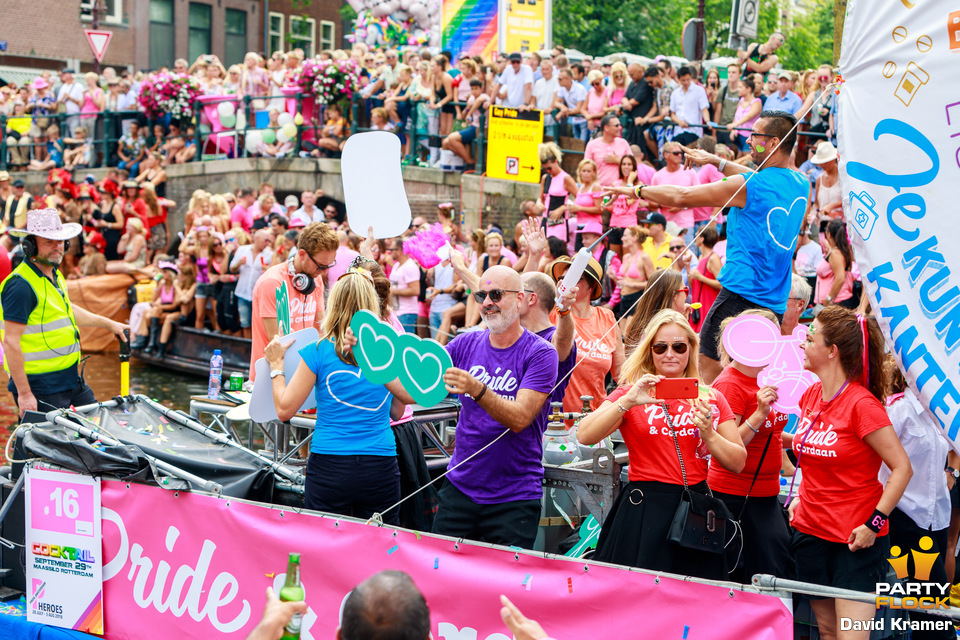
392 549
436 563
417 533
526 580
570 584
270 575
686 630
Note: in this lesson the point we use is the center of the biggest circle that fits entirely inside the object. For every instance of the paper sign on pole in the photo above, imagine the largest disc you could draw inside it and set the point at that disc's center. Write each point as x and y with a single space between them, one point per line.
899 127
99 41
525 25
64 562
512 140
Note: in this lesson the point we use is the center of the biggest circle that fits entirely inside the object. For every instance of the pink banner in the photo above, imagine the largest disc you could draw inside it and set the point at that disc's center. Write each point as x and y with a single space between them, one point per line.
188 566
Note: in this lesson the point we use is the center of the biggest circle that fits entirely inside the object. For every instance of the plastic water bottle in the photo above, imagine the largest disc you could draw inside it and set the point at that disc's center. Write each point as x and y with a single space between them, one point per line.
216 371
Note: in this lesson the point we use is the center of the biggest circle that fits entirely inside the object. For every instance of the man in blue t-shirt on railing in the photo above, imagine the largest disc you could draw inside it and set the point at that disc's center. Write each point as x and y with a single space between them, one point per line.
762 226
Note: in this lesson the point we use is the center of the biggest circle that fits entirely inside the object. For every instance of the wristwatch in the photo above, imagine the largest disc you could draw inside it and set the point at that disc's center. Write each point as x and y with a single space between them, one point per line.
953 472
275 372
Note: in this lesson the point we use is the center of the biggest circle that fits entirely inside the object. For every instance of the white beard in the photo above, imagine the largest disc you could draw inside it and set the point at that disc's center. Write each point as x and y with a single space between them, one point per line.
500 322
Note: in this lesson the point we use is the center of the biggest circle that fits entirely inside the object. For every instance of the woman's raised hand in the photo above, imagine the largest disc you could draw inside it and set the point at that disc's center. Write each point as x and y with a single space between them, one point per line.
766 396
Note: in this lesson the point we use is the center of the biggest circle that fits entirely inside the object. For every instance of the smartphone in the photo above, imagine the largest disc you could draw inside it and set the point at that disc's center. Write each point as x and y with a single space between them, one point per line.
678 389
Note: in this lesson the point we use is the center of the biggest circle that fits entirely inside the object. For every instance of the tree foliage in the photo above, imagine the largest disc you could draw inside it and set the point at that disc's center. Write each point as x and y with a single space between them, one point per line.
652 27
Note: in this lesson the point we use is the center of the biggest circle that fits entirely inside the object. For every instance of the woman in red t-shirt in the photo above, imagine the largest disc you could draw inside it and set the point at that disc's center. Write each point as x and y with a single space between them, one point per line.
840 514
752 495
635 531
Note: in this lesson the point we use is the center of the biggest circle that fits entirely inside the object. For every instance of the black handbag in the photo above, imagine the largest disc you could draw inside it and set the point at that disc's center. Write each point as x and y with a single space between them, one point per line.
700 521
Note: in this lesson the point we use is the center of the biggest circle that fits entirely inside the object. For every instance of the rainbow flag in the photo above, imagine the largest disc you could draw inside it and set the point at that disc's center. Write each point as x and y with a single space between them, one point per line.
470 26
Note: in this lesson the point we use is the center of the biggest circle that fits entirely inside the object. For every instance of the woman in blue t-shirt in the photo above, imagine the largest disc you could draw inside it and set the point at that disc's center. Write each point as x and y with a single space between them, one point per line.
352 469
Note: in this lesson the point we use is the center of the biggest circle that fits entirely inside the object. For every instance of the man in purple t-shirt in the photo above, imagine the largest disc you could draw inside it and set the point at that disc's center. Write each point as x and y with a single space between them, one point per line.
241 214
503 376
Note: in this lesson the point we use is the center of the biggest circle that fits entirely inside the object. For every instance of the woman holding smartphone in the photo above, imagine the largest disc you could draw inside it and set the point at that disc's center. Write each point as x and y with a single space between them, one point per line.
668 441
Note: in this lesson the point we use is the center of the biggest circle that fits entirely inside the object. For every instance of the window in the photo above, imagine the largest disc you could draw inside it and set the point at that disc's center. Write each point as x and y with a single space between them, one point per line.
276 32
328 34
111 11
161 34
198 41
303 34
235 42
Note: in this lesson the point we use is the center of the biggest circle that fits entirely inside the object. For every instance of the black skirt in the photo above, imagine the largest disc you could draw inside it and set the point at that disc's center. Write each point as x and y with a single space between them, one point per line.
635 533
764 543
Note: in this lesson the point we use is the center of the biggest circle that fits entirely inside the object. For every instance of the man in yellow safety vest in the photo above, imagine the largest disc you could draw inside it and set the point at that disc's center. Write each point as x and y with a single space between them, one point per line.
41 341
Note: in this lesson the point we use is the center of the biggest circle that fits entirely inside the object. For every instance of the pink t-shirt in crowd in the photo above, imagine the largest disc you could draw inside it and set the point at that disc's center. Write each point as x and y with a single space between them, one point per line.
242 215
681 178
401 277
645 173
345 256
607 172
708 175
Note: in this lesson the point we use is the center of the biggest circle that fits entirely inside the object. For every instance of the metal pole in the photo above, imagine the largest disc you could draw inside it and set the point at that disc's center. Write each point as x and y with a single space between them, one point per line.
95 433
96 25
219 438
701 29
765 581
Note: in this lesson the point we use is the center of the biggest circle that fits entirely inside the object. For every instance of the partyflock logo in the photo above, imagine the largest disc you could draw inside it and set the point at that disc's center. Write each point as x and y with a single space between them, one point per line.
917 594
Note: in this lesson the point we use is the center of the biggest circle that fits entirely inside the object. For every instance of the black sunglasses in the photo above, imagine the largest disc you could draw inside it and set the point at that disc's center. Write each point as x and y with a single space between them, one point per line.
660 348
321 267
496 295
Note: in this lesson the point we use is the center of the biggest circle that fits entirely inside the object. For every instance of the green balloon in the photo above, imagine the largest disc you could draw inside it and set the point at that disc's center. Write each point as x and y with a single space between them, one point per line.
269 136
228 121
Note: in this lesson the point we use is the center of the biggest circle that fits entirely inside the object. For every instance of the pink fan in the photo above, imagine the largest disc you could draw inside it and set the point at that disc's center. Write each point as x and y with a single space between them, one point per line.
425 246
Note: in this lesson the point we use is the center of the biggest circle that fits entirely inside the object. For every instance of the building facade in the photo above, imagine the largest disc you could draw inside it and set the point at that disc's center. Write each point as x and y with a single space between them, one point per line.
148 34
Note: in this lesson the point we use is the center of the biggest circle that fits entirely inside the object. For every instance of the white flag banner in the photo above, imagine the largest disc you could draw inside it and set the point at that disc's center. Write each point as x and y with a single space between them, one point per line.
899 128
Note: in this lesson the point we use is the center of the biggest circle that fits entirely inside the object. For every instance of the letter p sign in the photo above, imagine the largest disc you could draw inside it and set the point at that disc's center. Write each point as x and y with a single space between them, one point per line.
953 30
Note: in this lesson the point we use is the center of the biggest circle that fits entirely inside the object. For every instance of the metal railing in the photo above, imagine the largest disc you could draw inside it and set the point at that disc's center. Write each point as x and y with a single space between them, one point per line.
105 129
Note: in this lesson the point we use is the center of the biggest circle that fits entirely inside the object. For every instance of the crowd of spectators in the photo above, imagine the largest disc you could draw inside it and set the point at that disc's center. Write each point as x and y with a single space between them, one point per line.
640 312
58 120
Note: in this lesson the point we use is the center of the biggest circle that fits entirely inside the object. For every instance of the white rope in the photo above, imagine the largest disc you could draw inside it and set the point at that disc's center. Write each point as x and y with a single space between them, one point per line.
615 325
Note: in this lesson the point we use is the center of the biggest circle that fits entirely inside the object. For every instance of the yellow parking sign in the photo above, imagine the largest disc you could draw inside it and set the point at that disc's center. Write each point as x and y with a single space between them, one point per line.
512 139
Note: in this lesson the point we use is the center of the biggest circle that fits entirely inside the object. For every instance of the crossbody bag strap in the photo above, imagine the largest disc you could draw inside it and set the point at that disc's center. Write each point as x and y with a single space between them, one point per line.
755 474
676 443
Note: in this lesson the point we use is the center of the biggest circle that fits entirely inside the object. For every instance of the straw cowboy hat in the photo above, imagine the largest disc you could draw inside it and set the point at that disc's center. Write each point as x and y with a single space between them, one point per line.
45 223
593 271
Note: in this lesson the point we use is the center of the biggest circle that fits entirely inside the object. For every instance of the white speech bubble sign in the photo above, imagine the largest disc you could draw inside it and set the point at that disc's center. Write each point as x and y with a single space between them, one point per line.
262 408
373 184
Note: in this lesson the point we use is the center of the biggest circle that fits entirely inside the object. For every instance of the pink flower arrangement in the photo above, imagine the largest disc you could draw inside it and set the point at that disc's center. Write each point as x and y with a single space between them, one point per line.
169 93
329 81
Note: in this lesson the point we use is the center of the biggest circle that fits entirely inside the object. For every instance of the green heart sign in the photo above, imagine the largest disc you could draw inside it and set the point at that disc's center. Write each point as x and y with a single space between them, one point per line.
376 347
384 355
283 309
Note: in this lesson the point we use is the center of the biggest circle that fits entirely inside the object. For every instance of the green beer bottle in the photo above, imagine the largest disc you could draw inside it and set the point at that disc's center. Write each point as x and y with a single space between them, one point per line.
292 591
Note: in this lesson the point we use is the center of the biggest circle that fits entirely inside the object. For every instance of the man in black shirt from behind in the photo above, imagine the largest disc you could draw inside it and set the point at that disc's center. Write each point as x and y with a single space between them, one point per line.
640 104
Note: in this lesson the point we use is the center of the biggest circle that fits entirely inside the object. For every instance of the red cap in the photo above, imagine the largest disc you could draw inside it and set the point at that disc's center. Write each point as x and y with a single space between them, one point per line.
96 239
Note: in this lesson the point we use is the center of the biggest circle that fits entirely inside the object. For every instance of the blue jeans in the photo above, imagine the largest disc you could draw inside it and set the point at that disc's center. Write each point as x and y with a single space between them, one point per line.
436 319
409 322
580 130
245 309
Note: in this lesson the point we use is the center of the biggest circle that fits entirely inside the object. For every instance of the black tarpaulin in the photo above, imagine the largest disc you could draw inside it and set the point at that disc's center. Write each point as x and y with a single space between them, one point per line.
240 473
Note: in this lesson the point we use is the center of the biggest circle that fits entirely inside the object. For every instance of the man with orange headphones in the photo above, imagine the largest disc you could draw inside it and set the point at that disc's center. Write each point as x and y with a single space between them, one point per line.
41 338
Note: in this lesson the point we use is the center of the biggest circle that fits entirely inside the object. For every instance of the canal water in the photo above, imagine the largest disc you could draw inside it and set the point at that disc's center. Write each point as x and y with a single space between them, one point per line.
102 373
